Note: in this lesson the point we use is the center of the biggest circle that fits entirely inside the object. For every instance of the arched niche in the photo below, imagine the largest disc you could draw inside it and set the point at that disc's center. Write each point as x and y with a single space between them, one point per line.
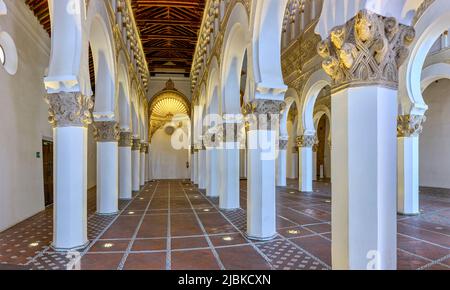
430 24
315 84
100 40
235 44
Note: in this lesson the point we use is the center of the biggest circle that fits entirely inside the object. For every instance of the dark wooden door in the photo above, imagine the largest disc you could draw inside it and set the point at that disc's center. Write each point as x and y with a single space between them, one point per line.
47 158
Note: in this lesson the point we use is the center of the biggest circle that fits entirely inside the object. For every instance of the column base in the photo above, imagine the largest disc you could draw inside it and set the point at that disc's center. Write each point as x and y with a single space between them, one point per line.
408 214
107 214
69 249
260 239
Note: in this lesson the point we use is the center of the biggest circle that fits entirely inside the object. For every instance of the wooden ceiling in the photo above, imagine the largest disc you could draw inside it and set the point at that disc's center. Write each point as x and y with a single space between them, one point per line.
169 32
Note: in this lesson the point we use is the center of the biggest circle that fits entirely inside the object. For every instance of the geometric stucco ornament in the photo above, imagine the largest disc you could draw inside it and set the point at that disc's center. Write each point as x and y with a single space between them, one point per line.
125 139
410 125
367 50
307 141
106 131
69 109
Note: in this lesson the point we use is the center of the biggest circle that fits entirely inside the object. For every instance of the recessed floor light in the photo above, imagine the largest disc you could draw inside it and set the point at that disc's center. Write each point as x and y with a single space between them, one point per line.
227 239
131 212
293 232
108 245
328 201
206 210
34 244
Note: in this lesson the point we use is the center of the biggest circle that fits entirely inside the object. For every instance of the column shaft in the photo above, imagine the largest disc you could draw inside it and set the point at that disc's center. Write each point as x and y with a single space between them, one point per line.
142 169
70 188
107 177
408 176
229 197
305 175
136 165
125 169
281 165
364 201
213 185
202 169
261 213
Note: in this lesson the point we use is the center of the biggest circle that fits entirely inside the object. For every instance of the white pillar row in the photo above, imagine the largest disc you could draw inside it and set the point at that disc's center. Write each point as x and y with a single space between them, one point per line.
229 197
294 163
364 127
136 165
212 165
305 145
261 138
409 128
142 164
70 115
125 188
281 163
107 135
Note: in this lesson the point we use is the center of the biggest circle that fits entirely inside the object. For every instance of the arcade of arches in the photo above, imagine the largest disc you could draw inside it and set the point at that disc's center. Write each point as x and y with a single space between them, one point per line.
225 134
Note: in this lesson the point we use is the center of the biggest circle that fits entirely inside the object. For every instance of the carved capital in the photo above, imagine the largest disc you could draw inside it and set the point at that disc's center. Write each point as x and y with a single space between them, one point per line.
69 109
410 125
125 139
283 144
263 114
106 131
306 141
136 145
144 148
367 50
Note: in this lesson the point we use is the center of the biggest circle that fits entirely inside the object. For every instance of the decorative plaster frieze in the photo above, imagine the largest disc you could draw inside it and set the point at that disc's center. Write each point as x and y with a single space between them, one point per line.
283 144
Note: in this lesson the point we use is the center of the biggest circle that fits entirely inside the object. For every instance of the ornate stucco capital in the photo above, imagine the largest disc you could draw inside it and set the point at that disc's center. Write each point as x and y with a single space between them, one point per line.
106 131
306 141
125 139
410 125
367 50
262 114
69 109
136 145
283 144
144 148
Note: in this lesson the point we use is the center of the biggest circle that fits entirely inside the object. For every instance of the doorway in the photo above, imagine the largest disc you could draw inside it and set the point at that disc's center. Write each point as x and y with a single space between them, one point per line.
47 158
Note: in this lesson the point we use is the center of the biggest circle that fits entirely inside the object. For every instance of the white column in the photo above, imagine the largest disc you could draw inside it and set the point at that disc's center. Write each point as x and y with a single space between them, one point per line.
136 160
408 176
409 128
142 165
261 201
195 166
294 163
70 169
314 165
125 188
202 169
364 201
192 158
213 185
281 163
305 161
107 136
229 197
149 163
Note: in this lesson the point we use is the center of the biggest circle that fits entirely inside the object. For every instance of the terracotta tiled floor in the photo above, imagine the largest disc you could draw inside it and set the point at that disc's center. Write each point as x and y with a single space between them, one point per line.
172 225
